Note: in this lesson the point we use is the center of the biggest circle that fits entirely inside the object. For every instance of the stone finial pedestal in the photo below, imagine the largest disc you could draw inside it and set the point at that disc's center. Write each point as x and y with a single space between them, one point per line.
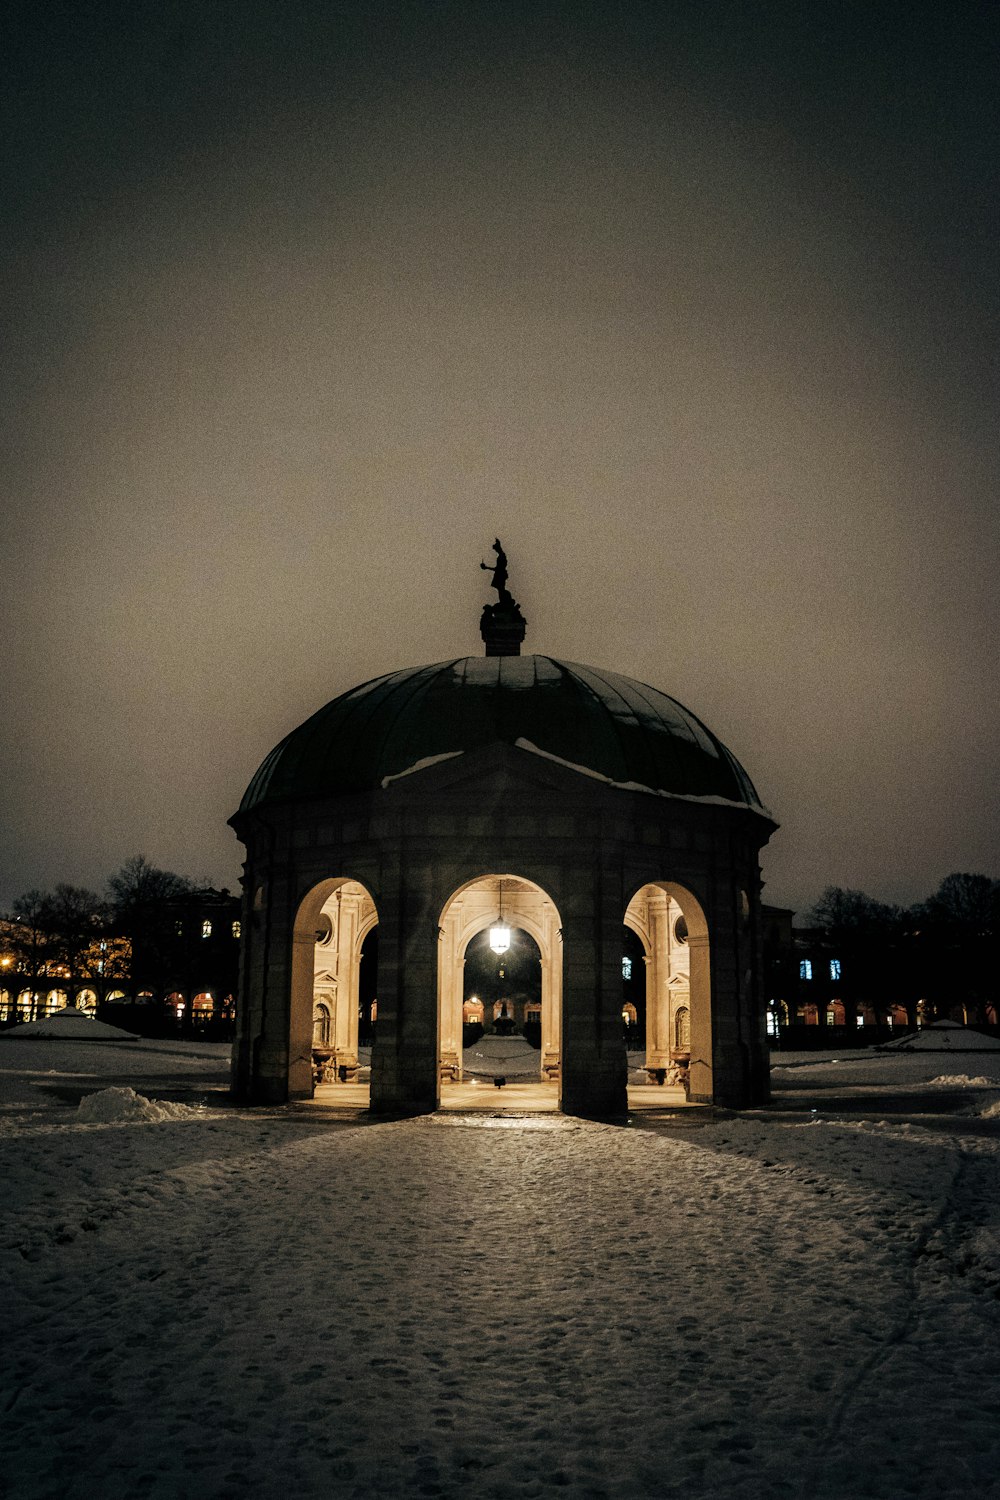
502 627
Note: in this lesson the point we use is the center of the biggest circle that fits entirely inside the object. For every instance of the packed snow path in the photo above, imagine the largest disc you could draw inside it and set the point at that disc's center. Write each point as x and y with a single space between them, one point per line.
241 1305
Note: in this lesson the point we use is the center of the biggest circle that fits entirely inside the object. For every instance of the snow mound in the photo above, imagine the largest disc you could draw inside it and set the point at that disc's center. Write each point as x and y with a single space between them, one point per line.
962 1080
71 1025
946 1036
123 1106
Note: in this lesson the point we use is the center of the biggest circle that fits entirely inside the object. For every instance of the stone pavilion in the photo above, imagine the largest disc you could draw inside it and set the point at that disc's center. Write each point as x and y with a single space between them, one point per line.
502 791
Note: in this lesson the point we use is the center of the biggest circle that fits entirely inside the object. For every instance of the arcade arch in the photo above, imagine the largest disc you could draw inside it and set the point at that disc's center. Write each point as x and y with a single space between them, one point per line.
671 925
512 901
331 925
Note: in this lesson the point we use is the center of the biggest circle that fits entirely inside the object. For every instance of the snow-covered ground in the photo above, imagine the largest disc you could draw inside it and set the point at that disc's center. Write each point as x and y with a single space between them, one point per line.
799 1303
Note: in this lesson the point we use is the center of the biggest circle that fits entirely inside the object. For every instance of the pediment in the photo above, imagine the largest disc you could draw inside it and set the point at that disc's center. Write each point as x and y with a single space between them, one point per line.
488 772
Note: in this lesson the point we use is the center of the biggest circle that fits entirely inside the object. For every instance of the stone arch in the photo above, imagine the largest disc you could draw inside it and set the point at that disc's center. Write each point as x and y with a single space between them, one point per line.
332 921
670 922
470 909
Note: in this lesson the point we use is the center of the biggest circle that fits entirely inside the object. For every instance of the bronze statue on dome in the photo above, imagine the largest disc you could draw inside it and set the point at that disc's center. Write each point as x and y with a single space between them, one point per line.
499 579
502 625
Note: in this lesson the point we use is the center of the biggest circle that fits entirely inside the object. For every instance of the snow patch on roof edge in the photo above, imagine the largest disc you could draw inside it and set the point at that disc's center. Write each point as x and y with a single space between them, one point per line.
637 786
421 765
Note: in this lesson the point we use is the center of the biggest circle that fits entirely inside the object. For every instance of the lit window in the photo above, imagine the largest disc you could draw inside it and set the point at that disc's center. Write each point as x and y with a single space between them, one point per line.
626 968
805 968
206 928
861 1020
237 929
835 968
772 1023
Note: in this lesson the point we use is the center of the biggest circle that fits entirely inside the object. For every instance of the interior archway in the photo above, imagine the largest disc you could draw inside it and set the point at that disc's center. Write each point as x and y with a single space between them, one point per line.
332 924
518 905
671 926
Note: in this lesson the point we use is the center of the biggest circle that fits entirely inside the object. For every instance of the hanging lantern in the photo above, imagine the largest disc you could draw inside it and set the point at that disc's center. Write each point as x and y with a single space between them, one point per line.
499 937
500 932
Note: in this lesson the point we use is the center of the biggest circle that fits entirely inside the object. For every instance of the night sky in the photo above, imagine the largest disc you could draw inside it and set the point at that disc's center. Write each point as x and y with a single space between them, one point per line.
695 306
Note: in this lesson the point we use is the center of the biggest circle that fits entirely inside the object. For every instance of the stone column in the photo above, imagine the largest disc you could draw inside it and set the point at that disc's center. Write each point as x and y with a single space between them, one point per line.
760 1052
594 1067
450 971
701 1085
730 984
552 974
348 981
657 982
281 1004
405 1060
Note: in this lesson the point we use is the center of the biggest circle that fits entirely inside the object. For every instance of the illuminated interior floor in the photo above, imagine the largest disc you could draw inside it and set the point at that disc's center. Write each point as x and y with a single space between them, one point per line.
474 1096
657 1096
526 1097
352 1096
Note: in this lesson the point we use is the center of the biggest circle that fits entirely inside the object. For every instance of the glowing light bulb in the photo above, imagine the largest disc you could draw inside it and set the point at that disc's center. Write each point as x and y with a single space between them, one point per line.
499 938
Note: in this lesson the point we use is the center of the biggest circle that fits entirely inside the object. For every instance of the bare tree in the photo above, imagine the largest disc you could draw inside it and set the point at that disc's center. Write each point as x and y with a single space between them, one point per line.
143 902
74 918
32 941
959 933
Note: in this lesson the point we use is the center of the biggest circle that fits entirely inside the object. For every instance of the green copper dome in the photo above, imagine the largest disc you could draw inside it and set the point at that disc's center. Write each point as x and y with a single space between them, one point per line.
599 723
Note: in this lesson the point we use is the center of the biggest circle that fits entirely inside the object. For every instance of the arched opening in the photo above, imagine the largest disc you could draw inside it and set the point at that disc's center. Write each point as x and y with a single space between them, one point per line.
503 989
202 1009
322 1025
668 924
500 968
334 972
86 1000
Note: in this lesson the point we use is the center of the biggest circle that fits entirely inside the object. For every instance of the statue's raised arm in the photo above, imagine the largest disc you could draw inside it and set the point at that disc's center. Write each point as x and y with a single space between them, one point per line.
499 571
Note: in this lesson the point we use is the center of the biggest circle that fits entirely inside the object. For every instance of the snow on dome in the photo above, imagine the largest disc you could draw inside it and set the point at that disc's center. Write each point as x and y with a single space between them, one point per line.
71 1025
962 1081
602 724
